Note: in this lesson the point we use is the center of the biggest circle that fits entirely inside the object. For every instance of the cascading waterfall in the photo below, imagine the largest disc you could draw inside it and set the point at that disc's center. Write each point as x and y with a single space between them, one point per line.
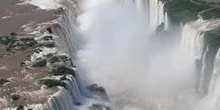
137 72
61 100
192 40
157 14
67 33
153 10
207 62
215 80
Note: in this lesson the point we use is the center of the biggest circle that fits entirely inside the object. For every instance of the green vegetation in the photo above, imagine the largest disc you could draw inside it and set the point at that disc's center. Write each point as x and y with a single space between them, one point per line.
62 70
98 91
13 34
13 43
3 81
38 50
211 14
212 38
49 45
15 97
59 11
52 83
47 37
40 63
185 10
28 42
20 107
65 58
6 40
54 59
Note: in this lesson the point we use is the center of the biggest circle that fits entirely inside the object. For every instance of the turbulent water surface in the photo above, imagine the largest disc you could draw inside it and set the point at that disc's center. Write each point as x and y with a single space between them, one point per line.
121 46
139 69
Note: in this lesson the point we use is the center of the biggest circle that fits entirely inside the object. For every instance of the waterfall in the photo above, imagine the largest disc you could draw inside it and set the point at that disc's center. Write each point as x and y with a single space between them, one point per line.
202 75
73 89
154 12
215 80
61 100
166 24
67 33
192 40
157 14
118 53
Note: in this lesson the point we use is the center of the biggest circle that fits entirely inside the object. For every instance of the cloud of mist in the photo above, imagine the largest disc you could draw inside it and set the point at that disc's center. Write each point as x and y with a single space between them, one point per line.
137 72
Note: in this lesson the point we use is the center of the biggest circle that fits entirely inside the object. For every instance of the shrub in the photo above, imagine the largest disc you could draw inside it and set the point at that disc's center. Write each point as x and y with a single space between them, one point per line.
52 83
3 81
59 11
15 97
65 58
5 40
54 59
49 45
13 34
20 107
47 37
40 63
38 50
183 10
29 42
62 70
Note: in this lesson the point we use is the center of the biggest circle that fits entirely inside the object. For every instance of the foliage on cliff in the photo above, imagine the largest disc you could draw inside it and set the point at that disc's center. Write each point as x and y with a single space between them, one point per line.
189 10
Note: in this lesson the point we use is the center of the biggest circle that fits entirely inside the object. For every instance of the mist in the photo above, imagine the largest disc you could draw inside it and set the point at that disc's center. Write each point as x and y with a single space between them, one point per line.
137 71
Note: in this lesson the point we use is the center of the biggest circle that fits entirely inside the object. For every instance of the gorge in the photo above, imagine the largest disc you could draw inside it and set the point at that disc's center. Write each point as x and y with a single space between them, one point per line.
132 55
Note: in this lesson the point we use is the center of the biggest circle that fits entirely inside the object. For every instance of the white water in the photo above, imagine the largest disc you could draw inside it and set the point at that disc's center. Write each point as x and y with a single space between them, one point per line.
138 73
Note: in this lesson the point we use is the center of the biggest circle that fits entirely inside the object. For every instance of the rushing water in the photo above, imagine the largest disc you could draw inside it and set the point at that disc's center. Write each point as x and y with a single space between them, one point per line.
140 69
117 47
139 72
